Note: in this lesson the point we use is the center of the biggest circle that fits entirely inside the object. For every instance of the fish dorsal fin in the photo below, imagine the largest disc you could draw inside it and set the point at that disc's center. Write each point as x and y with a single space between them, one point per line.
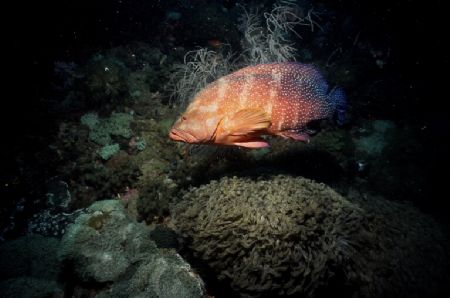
248 121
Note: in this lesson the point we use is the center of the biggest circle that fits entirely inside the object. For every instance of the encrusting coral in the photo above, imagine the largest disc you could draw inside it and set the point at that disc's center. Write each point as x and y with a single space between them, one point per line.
291 236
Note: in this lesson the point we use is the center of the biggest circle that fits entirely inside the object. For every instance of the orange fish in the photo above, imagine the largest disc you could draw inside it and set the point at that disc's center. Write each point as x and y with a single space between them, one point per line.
266 99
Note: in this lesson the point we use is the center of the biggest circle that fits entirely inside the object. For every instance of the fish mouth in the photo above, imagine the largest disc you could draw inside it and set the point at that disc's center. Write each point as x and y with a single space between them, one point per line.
182 136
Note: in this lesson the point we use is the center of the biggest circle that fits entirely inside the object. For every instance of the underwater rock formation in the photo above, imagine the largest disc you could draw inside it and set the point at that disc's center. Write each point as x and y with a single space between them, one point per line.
282 235
29 267
105 247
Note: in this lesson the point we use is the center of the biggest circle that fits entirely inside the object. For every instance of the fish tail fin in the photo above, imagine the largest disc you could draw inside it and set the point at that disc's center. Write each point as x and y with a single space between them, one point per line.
339 99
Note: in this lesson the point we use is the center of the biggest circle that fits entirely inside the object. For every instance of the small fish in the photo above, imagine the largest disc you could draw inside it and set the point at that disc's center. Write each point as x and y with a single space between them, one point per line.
215 43
267 99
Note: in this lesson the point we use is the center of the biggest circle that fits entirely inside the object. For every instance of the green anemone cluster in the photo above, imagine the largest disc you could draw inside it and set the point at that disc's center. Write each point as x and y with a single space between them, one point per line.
101 130
281 235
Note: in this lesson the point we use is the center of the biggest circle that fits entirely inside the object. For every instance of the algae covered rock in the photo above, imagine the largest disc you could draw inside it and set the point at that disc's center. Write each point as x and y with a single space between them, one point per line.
281 235
106 248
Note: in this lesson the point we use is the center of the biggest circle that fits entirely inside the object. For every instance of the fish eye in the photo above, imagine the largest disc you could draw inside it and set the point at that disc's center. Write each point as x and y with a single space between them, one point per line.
183 118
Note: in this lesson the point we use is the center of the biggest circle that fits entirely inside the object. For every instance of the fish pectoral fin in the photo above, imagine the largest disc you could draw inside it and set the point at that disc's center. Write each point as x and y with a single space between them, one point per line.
297 136
248 121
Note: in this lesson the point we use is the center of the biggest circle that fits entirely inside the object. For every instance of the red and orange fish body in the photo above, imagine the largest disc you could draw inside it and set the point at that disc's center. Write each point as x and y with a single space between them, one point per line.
266 99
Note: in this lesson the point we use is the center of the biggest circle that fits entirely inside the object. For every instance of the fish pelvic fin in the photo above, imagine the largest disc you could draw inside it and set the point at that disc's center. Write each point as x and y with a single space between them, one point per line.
253 143
248 121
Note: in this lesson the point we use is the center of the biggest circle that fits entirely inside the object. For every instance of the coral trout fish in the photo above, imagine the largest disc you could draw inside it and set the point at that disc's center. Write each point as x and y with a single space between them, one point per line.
267 99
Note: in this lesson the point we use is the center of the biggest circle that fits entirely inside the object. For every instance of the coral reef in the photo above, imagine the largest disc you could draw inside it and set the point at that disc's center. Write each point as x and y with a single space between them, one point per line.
153 203
106 246
94 181
56 215
108 151
164 237
291 236
98 129
105 80
338 142
96 243
156 164
50 223
101 131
